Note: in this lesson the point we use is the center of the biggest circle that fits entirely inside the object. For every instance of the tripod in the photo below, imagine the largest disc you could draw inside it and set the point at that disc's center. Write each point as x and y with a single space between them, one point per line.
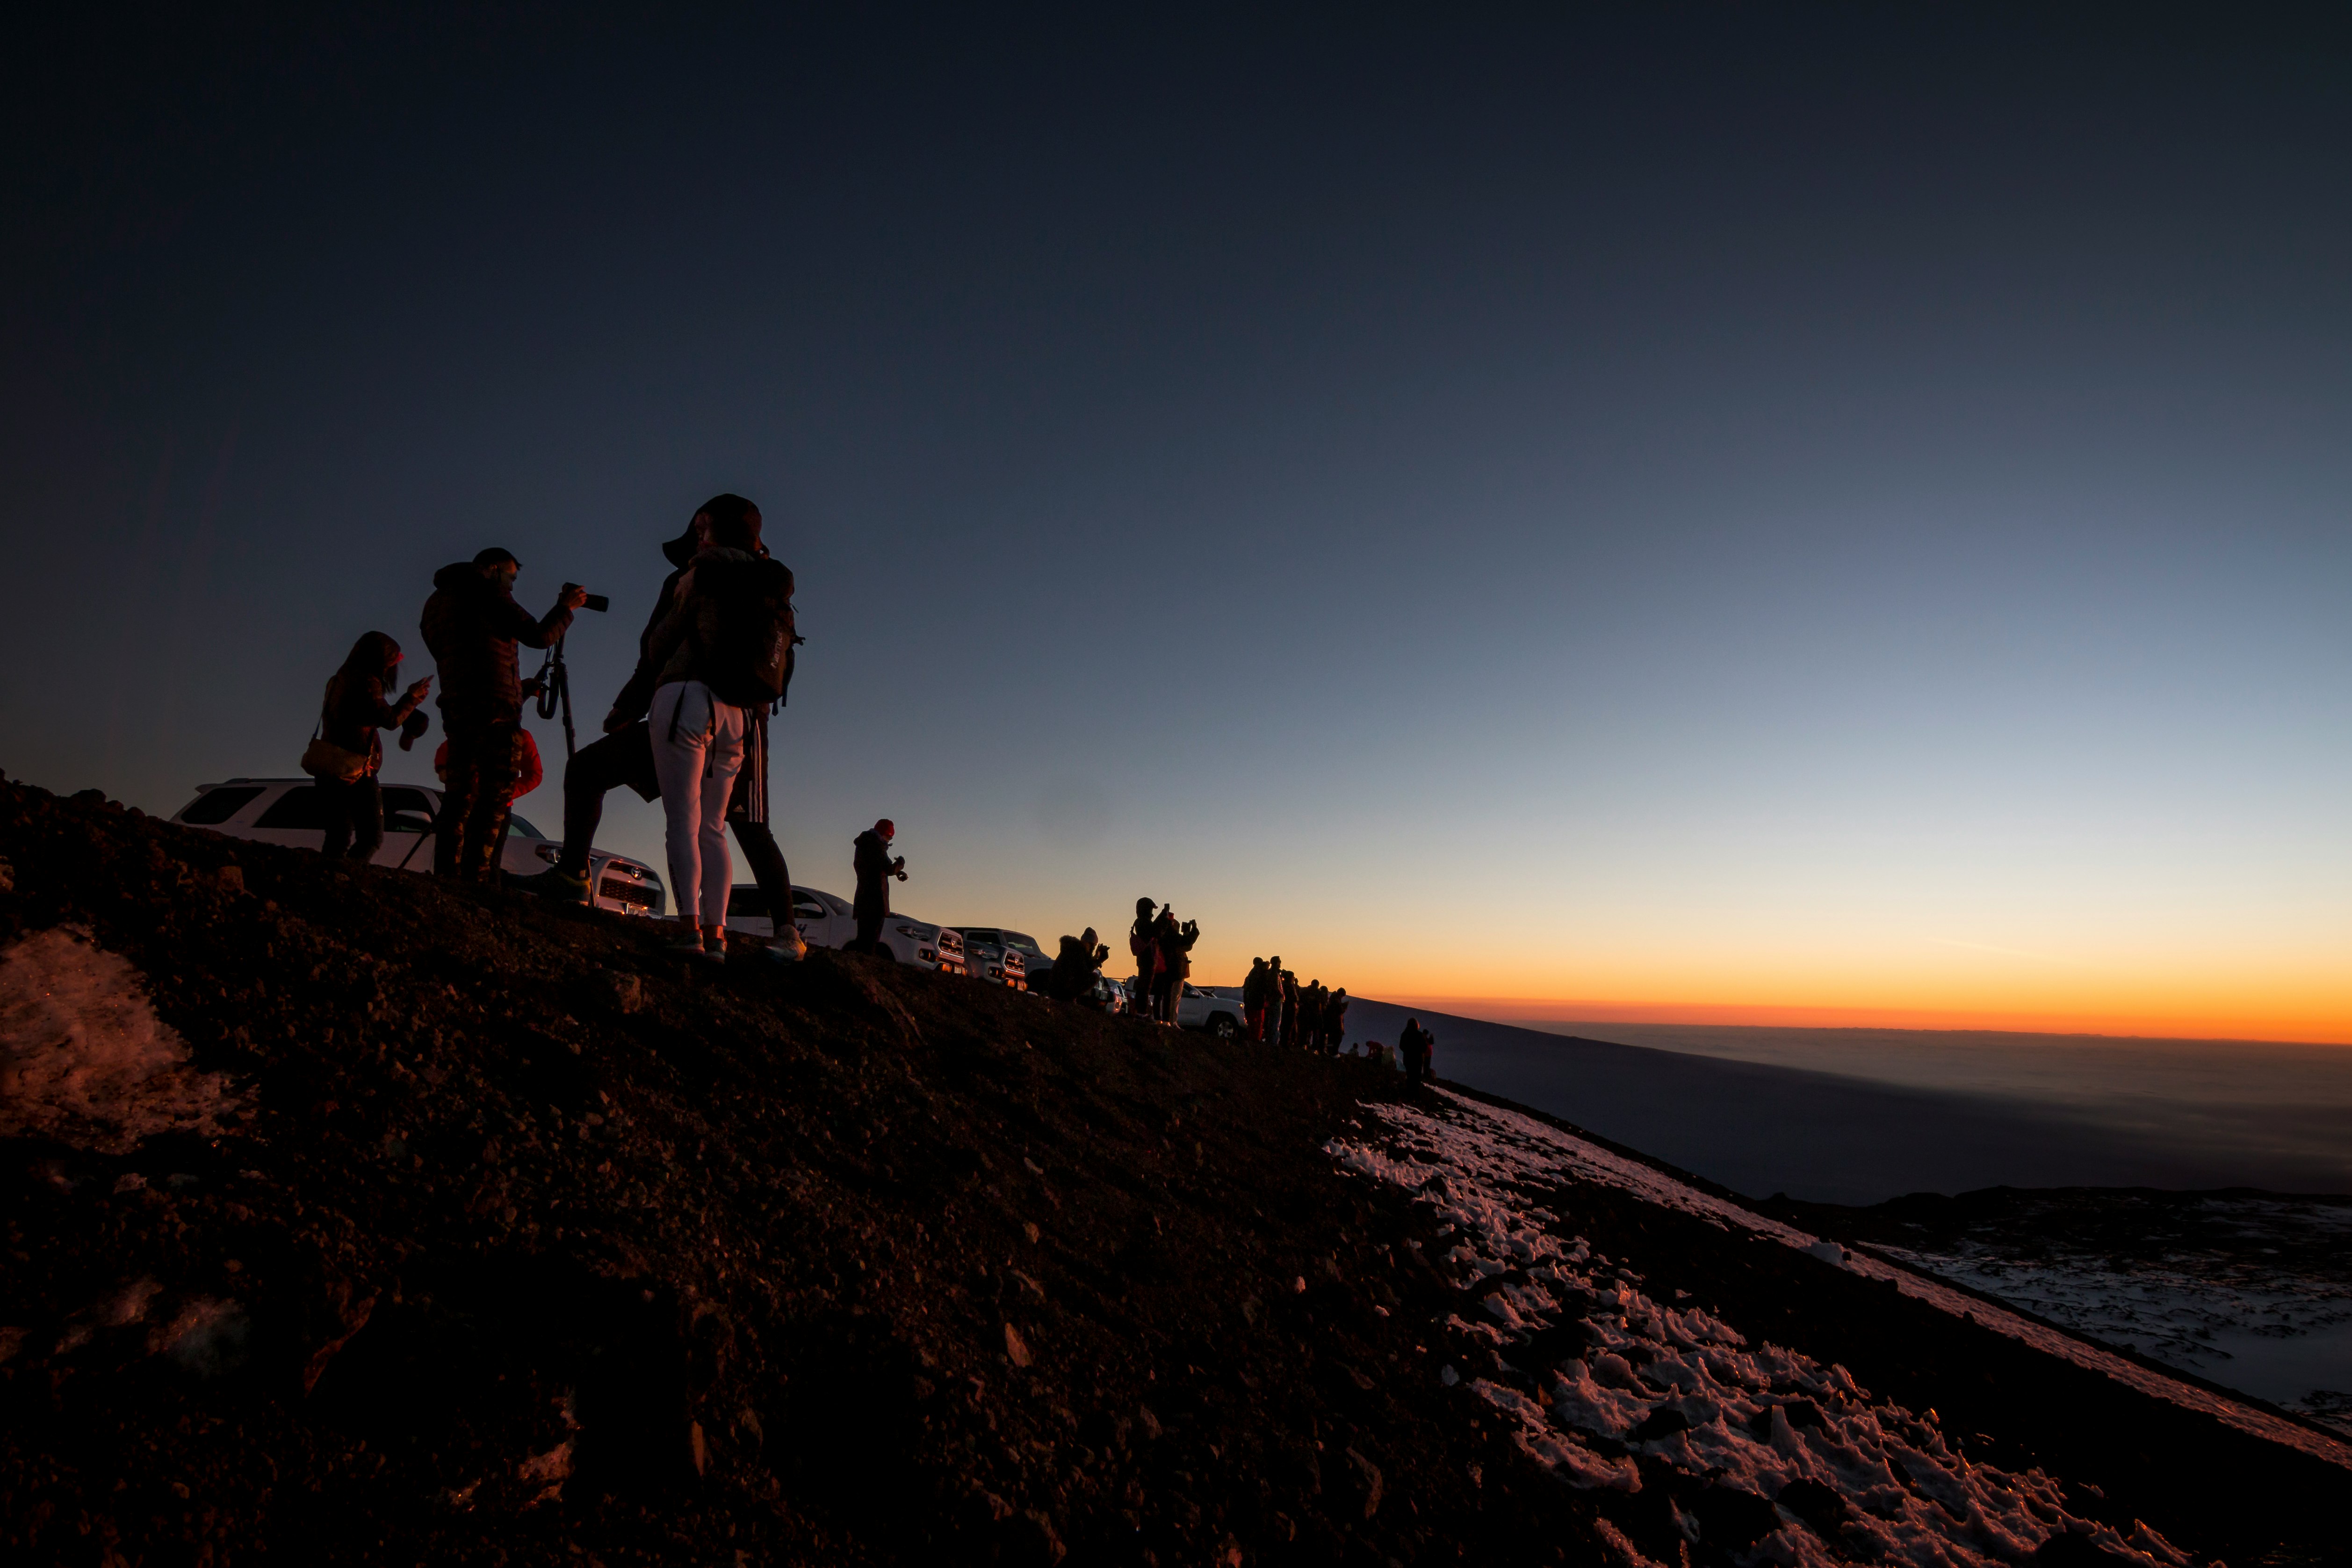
556 692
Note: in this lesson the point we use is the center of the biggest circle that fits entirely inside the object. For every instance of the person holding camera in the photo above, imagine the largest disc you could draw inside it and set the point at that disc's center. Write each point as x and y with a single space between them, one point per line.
1174 943
871 859
472 626
723 650
1075 967
348 753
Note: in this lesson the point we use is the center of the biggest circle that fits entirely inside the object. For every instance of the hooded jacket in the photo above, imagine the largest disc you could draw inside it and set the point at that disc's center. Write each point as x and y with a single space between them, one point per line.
1073 974
471 624
871 863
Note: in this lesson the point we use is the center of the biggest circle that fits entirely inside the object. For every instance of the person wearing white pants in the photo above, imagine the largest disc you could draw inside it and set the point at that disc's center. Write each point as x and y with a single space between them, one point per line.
698 750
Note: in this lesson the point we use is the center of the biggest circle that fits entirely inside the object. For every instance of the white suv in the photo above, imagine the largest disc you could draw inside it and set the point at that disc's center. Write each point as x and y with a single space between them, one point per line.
827 921
1196 1010
286 811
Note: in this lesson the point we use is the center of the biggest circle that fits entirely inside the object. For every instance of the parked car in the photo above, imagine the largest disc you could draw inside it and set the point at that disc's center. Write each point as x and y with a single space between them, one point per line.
992 960
286 811
1016 959
1199 1009
827 921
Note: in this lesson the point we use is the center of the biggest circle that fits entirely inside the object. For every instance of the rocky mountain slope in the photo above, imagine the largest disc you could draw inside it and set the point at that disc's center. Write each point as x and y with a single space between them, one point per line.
353 1218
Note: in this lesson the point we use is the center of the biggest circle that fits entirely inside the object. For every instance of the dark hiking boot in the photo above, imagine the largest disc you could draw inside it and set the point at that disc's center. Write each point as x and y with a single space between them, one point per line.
564 886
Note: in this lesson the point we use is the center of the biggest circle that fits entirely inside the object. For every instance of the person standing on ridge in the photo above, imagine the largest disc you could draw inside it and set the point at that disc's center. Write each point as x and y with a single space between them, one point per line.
625 756
1413 1045
874 866
1290 1011
1274 1036
1254 1001
1146 949
354 708
1335 1014
1175 944
723 649
471 625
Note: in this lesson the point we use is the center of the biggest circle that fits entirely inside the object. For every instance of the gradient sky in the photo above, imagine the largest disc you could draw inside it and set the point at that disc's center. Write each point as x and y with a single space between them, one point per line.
1766 514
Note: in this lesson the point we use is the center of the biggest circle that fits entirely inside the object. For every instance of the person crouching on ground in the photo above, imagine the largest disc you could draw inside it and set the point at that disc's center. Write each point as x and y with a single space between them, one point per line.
1072 978
472 623
719 652
353 711
875 868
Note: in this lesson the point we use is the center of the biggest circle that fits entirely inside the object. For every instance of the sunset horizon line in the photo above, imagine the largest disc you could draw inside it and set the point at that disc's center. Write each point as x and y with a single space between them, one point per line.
1524 1011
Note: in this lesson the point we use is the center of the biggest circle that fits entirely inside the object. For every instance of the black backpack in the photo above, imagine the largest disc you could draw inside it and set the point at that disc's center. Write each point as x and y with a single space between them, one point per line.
750 661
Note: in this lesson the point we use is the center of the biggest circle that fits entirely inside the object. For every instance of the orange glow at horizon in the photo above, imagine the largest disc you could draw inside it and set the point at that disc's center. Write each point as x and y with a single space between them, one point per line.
2297 992
2252 1023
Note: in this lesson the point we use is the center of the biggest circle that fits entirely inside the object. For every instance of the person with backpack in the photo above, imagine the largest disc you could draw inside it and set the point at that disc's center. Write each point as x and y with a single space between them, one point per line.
722 651
625 756
349 754
874 866
472 626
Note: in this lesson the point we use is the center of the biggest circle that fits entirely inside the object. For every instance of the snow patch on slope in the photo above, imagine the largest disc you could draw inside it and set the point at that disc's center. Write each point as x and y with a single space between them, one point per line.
83 1059
1686 1390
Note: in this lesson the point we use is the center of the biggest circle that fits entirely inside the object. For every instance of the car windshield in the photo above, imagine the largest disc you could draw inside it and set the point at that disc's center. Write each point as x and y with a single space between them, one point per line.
218 803
523 827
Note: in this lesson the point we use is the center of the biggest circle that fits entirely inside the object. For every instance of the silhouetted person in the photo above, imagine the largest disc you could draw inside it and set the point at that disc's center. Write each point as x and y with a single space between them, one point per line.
1274 1036
1412 1047
723 651
625 756
875 867
1146 949
1255 991
354 708
472 623
1174 942
1335 1019
1290 1003
1075 967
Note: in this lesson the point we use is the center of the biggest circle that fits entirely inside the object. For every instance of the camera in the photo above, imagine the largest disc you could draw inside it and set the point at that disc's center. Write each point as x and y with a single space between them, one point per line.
600 603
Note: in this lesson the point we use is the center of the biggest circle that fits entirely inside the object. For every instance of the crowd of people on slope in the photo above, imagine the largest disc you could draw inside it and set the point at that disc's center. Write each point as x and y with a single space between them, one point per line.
1278 1008
690 729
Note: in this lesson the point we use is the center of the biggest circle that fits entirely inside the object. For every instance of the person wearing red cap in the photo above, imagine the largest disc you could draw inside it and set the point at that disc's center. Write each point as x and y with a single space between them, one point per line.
874 866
